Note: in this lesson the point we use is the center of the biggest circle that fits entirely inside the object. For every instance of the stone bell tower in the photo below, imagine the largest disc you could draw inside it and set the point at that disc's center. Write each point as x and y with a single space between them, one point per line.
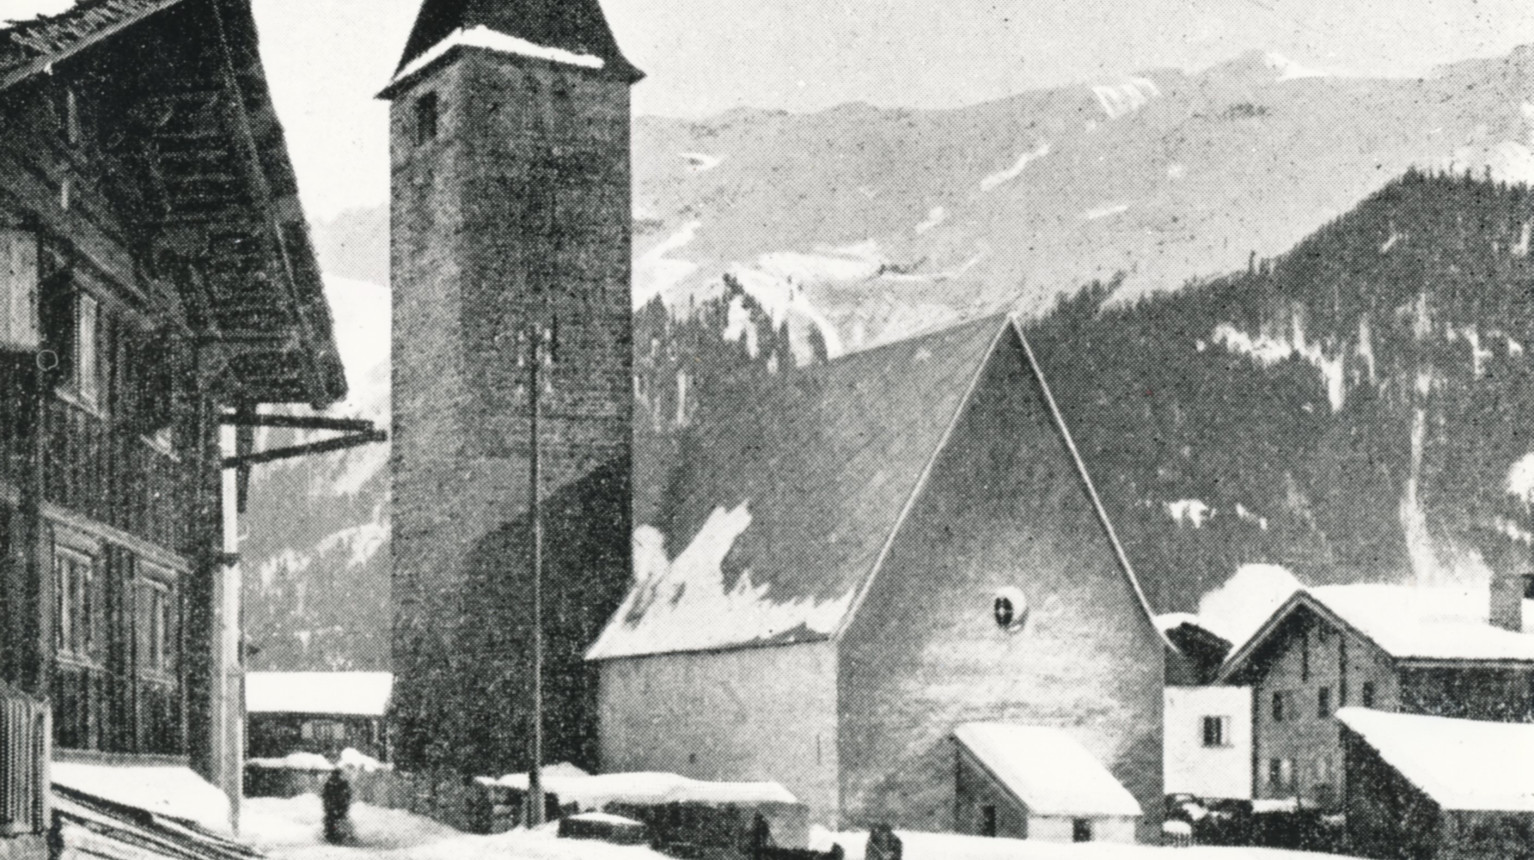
510 213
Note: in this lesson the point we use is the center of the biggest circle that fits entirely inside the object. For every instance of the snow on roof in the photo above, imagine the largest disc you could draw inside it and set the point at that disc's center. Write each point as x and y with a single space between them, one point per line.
172 791
36 33
363 694
563 28
648 787
1434 623
784 509
1460 764
25 10
1238 609
484 37
293 761
1046 769
1407 622
1169 621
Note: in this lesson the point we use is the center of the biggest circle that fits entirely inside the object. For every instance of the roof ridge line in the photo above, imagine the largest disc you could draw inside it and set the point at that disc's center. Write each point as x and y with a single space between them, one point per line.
909 504
1122 557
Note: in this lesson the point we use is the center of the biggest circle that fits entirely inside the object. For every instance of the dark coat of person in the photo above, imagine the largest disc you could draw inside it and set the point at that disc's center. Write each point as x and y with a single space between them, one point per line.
336 797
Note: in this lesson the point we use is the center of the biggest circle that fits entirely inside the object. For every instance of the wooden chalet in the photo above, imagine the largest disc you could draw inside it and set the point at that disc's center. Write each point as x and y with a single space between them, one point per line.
157 284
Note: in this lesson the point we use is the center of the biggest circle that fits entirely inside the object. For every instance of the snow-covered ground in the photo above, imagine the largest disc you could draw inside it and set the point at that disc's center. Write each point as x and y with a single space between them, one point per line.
950 846
290 829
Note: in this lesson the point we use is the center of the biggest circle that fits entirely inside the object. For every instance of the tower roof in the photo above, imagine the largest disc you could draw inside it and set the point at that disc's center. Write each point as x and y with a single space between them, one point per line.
574 26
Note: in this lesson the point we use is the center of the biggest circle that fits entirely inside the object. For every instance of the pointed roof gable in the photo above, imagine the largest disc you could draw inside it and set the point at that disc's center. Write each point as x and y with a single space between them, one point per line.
575 27
786 500
1426 624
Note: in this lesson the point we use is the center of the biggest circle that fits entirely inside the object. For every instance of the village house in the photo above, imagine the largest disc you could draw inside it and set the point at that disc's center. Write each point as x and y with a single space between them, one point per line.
1437 788
852 564
324 713
1206 736
157 288
1034 782
1440 651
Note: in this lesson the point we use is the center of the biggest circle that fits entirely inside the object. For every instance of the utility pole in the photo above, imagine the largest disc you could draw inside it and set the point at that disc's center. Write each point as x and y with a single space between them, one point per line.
540 347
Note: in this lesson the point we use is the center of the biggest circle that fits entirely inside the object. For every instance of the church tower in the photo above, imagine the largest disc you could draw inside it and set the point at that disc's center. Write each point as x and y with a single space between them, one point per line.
510 214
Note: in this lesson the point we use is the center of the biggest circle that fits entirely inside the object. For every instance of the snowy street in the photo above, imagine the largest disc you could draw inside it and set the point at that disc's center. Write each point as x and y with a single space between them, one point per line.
289 829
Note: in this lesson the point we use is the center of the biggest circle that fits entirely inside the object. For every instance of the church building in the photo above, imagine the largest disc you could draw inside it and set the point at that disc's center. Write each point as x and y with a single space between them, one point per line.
843 567
851 565
510 236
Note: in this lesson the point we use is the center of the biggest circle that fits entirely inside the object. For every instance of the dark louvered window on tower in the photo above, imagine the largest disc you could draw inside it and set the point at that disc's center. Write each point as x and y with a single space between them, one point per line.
426 110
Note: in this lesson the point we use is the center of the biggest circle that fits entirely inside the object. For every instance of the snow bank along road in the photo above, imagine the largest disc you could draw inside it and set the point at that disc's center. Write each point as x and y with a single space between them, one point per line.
289 829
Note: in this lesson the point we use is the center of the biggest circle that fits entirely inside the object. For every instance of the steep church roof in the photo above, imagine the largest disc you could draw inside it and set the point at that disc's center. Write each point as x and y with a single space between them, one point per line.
789 496
575 27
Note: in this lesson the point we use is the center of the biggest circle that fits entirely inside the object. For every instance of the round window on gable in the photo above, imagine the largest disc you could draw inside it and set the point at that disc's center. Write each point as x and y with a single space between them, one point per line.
1010 609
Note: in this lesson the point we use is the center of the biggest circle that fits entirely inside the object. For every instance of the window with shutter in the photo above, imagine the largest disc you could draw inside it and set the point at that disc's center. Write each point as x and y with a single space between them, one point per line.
19 325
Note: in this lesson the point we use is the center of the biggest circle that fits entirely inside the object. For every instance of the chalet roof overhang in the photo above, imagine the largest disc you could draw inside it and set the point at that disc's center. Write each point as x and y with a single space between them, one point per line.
1249 662
209 200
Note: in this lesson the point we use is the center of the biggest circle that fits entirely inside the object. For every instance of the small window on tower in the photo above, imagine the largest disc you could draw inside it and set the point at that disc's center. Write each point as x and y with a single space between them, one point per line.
426 109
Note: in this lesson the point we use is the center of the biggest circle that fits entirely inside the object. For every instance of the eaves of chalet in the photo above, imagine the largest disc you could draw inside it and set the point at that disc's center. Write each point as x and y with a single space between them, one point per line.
198 136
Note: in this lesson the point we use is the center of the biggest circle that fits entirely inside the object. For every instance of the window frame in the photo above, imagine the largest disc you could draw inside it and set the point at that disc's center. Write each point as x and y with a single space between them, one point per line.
426 118
1221 723
1367 694
157 622
78 635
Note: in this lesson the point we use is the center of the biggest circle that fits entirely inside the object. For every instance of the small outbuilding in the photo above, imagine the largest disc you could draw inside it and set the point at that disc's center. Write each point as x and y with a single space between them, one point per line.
317 712
1037 782
1437 788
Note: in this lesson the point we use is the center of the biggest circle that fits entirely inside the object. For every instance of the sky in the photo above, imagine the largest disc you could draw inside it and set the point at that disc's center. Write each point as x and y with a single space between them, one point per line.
327 58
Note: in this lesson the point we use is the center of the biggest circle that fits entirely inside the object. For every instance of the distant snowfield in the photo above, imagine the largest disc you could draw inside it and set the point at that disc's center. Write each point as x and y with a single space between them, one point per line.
1289 70
936 216
655 271
699 162
15 11
1102 212
990 182
1270 350
1126 96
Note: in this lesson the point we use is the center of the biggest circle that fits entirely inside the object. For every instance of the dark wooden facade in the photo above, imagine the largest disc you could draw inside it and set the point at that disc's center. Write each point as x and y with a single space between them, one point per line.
1389 817
1312 663
155 270
277 735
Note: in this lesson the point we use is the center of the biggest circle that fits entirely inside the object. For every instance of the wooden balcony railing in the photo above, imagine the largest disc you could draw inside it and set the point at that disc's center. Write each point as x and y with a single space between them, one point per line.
24 755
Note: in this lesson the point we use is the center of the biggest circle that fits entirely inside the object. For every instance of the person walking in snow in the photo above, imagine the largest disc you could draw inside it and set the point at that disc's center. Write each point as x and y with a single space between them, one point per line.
336 797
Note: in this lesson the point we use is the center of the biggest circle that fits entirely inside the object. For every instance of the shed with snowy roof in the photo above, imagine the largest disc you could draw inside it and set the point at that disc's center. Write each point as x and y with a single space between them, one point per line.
850 564
1435 787
1037 782
317 712
1414 649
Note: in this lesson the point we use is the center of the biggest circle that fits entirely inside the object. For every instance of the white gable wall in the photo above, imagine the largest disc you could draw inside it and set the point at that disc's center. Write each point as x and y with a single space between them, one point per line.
1188 766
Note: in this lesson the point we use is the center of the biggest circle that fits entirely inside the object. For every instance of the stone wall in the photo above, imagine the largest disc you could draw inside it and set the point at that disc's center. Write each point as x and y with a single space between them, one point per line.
515 209
748 714
1004 508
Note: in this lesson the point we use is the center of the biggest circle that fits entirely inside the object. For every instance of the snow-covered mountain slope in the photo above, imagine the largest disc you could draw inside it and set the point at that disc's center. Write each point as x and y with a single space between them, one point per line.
1165 176
858 225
